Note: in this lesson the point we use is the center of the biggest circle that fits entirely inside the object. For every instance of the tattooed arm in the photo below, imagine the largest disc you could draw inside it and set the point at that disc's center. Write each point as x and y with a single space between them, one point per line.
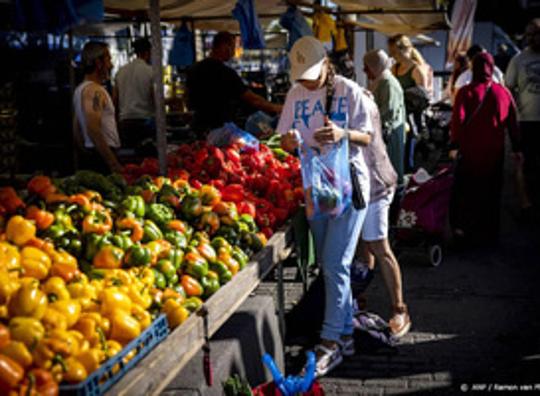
94 100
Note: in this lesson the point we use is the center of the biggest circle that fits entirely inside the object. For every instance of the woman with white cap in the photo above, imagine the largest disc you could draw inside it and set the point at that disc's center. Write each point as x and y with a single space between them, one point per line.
388 95
304 114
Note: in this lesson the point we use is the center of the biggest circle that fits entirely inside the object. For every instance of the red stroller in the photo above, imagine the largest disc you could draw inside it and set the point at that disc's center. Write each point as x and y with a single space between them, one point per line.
423 214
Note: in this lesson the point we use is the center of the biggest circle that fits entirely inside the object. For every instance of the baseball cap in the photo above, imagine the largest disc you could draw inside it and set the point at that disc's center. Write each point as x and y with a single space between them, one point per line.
307 58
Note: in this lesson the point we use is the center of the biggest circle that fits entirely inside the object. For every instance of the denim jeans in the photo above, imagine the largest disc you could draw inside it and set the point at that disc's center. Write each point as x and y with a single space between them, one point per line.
335 245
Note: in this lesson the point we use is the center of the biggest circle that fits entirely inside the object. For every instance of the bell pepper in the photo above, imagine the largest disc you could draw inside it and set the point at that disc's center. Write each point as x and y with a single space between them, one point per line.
140 295
39 382
28 300
122 241
35 263
8 285
253 241
10 259
230 262
206 250
42 218
133 204
65 271
124 327
108 257
176 293
178 225
159 214
19 230
226 209
75 371
166 267
249 221
113 299
55 288
222 270
92 245
158 249
195 265
129 223
168 195
93 327
91 359
210 284
209 222
54 319
229 233
11 373
191 286
177 239
71 309
137 256
17 351
159 279
151 232
27 330
210 195
40 185
176 313
240 256
173 280
10 200
192 304
98 222
233 193
245 207
142 316
176 256
62 216
191 206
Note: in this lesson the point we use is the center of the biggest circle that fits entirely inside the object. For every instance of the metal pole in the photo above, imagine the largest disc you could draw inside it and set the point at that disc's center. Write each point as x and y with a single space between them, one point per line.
71 52
159 99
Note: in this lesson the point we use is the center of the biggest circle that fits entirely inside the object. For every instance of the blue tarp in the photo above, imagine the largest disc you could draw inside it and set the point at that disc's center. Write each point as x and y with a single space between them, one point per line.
182 53
250 28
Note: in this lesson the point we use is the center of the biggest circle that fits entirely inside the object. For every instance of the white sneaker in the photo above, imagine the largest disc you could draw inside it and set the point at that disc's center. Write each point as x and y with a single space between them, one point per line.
327 359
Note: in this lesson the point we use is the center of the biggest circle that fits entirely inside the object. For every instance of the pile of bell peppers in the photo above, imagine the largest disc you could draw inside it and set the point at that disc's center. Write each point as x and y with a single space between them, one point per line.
84 272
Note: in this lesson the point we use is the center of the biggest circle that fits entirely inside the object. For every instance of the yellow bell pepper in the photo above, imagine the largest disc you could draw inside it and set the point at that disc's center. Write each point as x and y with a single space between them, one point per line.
91 359
75 371
124 327
71 309
55 288
64 342
54 320
140 295
28 300
19 230
35 263
176 313
42 356
63 257
4 312
27 330
114 299
112 348
142 315
9 257
8 286
143 274
17 351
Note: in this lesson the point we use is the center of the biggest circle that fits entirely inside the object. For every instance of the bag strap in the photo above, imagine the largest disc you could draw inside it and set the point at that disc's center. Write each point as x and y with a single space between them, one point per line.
477 110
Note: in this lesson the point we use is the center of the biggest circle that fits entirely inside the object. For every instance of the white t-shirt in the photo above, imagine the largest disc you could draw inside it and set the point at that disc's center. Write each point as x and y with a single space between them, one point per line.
304 111
465 78
134 84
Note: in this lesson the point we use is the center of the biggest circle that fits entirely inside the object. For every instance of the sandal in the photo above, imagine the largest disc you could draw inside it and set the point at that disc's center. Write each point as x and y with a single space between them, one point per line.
400 323
327 359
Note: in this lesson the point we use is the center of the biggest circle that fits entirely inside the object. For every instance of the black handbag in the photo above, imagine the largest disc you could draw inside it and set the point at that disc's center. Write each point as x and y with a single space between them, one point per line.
358 200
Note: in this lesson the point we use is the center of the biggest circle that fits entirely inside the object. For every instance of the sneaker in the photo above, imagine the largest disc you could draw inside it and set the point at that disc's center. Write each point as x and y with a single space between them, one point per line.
347 346
400 323
327 359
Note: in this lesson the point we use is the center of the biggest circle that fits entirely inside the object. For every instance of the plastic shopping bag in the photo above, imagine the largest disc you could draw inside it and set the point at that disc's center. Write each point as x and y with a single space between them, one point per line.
229 133
326 179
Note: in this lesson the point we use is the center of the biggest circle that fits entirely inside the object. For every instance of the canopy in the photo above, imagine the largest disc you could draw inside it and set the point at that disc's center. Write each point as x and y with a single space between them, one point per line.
386 16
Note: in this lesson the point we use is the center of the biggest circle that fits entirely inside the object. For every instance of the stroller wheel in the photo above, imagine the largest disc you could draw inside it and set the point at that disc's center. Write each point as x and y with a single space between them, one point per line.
435 255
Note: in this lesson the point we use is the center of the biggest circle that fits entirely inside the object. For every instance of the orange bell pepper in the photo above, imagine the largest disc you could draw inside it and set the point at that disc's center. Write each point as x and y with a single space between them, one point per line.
11 373
81 200
39 382
129 223
108 257
40 185
10 200
97 222
191 286
65 271
4 336
42 218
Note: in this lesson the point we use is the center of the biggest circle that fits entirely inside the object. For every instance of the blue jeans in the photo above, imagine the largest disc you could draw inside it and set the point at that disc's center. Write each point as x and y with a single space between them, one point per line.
335 245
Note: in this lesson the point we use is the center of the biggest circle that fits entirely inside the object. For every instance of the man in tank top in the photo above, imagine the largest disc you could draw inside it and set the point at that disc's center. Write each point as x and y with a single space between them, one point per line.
94 122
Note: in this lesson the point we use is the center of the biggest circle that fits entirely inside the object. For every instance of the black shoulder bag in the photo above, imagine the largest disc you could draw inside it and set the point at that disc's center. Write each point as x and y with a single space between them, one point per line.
357 196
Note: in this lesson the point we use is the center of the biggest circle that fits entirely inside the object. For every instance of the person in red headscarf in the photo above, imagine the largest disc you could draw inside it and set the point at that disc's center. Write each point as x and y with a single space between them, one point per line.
482 111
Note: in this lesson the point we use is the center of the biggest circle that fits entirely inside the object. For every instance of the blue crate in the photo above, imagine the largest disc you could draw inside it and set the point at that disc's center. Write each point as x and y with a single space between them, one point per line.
103 378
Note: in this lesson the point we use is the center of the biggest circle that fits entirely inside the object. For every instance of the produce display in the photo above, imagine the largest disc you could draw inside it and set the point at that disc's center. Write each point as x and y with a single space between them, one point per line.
88 261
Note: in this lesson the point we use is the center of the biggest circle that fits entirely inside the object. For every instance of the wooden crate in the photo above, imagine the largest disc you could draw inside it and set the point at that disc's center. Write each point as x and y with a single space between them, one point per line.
152 374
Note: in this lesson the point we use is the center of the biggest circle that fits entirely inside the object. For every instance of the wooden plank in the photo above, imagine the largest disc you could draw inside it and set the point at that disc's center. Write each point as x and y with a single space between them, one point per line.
152 374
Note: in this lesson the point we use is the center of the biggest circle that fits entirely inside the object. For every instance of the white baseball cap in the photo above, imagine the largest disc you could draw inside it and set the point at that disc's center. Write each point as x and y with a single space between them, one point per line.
307 58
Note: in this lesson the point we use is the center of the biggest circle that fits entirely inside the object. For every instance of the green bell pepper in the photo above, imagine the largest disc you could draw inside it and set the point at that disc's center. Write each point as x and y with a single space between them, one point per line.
252 241
134 204
137 255
176 256
176 238
179 289
167 195
191 206
220 242
210 284
166 267
195 266
151 231
92 245
223 272
173 280
192 303
159 214
122 241
239 255
250 221
229 233
159 279
146 183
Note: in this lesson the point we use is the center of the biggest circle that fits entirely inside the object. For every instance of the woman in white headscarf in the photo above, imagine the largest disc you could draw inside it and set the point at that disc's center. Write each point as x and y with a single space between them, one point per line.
388 95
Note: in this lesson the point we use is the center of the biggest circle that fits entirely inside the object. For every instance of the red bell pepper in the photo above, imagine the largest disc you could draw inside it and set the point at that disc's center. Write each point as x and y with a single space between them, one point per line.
246 207
233 193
